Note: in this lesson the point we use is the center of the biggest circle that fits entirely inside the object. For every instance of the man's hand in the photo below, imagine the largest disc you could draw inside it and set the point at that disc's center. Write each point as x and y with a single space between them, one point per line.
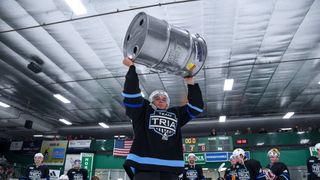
127 61
189 80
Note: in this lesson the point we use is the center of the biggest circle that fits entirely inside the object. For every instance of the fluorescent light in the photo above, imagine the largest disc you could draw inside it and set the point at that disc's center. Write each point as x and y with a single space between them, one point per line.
319 82
77 7
103 125
228 83
38 135
288 115
222 119
286 129
65 121
4 105
50 136
61 98
122 136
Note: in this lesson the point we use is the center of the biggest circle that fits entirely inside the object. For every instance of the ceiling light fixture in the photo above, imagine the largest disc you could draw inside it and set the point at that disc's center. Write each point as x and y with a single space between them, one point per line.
222 119
65 121
61 98
38 135
102 124
4 105
228 83
286 129
77 7
288 115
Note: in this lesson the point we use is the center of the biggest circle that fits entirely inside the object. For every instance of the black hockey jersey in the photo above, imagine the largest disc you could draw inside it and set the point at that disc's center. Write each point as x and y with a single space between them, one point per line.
250 170
193 173
157 143
313 166
231 173
77 174
36 173
280 170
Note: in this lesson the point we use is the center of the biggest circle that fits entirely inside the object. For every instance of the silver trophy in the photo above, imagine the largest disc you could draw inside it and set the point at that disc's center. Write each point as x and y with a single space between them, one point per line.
158 45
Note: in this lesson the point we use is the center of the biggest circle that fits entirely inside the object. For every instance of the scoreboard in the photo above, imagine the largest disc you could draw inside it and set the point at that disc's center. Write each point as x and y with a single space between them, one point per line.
207 144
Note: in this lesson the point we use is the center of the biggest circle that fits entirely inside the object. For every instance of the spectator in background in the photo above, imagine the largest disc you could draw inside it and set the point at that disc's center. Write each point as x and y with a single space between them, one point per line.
37 170
192 171
2 172
276 170
249 131
262 131
213 132
10 171
313 165
77 173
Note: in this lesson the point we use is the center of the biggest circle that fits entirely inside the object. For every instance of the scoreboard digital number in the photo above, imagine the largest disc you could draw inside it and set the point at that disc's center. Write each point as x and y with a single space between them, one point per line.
207 144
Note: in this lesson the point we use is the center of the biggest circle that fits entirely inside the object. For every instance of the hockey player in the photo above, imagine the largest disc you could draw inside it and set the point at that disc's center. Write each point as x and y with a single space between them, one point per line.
231 172
276 170
247 169
313 165
156 152
77 173
37 170
192 170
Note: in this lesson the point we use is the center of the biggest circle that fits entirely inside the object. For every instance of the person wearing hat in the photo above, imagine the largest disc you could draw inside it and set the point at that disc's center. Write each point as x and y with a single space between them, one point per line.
276 170
77 173
313 165
192 171
231 172
156 152
37 170
247 169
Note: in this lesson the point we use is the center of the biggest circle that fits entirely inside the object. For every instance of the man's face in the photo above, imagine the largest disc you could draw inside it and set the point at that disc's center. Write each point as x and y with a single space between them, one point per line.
38 160
77 164
239 159
273 159
191 160
233 161
161 102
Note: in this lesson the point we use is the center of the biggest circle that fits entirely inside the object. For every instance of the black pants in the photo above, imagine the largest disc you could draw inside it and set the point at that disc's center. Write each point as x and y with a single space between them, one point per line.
149 175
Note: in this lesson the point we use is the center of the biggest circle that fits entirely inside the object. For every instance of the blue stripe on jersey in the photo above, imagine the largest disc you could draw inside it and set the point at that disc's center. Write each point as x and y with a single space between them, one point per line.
133 170
155 161
133 105
260 175
195 108
131 95
286 176
190 114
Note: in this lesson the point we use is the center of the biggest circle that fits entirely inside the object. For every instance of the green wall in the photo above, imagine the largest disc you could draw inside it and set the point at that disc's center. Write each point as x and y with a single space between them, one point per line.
103 161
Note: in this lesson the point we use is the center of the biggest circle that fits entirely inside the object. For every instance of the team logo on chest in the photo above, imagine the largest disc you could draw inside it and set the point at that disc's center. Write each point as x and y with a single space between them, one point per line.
163 123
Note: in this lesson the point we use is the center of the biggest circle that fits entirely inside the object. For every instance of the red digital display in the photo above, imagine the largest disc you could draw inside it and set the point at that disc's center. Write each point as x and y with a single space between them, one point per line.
242 141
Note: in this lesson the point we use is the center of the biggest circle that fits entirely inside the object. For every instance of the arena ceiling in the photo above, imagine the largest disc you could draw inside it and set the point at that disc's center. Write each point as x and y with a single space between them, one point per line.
270 48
